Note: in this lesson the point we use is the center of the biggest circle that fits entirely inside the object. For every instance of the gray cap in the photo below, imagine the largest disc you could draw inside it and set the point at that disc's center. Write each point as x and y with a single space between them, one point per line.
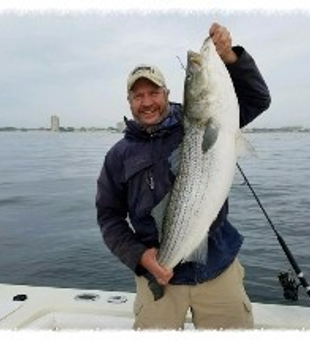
149 72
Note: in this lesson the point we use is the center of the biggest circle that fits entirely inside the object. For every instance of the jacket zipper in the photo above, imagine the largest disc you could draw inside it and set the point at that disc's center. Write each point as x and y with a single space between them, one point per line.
150 180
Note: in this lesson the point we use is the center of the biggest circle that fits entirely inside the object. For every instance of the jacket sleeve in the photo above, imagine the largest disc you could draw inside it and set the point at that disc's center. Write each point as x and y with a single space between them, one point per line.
112 212
251 89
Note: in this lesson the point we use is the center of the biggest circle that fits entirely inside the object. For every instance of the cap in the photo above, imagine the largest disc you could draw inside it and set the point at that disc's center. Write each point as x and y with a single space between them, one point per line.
149 72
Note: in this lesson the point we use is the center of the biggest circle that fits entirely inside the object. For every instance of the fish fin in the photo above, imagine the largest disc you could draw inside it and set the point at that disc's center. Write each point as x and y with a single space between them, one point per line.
158 213
209 136
156 289
244 147
175 160
200 254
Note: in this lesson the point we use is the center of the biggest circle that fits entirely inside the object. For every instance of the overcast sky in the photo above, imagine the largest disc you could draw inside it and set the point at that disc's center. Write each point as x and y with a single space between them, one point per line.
75 65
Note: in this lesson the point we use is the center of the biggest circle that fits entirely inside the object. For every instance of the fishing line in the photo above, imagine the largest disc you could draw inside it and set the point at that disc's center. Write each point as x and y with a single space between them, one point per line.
180 61
290 288
283 244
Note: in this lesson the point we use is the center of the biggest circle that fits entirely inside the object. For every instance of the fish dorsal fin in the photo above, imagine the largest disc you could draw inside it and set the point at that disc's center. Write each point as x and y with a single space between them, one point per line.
200 254
175 160
244 147
158 213
209 136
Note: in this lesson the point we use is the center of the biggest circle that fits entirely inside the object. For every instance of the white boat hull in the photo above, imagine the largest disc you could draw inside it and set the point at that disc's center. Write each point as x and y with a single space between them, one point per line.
50 308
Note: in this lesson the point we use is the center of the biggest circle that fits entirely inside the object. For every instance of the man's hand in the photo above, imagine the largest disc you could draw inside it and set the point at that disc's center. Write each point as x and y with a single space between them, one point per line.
149 262
222 41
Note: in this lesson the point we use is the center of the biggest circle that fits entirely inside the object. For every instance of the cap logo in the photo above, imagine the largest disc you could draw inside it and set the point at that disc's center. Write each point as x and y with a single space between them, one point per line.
149 72
142 68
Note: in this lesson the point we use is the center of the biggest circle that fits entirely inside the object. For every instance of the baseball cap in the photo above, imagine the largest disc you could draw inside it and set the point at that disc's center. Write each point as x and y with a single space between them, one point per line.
149 72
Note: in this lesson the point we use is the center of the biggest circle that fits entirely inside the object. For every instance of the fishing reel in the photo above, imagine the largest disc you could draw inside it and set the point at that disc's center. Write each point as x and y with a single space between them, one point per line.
290 287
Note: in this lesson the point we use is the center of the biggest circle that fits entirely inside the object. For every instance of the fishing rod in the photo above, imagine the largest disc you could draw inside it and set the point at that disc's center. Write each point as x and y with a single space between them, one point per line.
289 285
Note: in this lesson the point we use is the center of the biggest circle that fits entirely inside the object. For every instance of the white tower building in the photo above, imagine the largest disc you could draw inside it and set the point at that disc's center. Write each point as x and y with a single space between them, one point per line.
54 123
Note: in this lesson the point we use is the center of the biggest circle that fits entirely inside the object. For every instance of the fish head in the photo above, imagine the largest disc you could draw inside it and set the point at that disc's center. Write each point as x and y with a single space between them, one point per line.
196 88
202 85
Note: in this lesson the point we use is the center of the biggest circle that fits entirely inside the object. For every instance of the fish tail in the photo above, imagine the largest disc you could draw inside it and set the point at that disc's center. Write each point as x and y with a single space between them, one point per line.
156 289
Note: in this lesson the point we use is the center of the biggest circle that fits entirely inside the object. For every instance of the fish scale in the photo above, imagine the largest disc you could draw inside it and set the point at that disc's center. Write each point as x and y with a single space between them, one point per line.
207 161
185 197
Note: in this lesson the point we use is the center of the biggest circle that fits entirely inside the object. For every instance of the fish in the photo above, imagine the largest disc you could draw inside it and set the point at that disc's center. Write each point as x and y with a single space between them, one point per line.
206 162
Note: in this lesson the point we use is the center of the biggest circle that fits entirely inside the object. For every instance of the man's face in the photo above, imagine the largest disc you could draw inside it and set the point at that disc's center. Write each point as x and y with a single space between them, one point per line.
148 102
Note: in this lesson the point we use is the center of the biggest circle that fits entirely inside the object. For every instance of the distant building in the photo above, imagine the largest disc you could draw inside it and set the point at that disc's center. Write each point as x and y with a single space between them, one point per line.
54 123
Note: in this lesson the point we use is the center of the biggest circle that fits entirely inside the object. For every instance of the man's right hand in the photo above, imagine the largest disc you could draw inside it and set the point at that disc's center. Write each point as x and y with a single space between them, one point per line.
149 262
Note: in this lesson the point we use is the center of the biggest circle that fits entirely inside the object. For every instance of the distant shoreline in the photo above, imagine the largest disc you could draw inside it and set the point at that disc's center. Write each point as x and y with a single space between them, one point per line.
112 129
61 129
283 129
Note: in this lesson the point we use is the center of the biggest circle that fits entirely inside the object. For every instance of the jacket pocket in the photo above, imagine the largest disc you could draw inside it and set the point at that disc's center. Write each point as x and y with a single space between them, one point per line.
140 182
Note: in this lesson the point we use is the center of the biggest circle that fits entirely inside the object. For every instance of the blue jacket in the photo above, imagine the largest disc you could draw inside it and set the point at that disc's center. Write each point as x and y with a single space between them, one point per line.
136 176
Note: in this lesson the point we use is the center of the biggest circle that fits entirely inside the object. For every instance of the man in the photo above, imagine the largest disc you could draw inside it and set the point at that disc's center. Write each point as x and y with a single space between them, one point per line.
136 176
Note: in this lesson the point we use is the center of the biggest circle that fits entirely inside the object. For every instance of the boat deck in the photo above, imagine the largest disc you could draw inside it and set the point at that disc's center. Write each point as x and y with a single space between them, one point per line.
49 308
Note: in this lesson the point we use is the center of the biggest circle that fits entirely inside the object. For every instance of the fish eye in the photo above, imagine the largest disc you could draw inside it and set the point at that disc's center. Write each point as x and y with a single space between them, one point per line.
189 76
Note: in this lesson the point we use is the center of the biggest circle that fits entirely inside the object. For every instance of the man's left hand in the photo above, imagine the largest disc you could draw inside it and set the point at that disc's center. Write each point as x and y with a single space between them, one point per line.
222 41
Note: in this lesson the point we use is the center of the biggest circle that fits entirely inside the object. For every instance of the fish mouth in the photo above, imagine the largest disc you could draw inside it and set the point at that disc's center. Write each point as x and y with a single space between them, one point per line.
194 57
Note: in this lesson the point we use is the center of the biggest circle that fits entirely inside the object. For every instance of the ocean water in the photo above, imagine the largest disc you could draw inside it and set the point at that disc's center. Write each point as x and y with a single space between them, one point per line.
48 230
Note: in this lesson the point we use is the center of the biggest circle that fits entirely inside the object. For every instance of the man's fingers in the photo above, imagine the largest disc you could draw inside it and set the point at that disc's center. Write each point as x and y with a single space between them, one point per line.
163 281
222 40
163 277
213 29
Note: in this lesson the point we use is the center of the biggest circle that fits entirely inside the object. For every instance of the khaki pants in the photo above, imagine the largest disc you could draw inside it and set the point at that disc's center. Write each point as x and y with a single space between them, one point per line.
220 303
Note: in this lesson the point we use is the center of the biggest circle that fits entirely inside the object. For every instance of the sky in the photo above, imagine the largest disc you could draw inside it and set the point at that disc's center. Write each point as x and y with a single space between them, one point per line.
74 64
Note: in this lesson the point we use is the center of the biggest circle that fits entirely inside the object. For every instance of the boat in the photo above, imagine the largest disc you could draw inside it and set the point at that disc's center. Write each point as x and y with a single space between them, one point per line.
25 307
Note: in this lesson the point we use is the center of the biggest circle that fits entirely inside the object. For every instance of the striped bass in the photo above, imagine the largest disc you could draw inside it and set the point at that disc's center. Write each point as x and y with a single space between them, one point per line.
207 159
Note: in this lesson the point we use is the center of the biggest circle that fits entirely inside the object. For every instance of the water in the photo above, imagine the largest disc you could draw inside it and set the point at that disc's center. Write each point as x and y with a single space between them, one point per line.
48 230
